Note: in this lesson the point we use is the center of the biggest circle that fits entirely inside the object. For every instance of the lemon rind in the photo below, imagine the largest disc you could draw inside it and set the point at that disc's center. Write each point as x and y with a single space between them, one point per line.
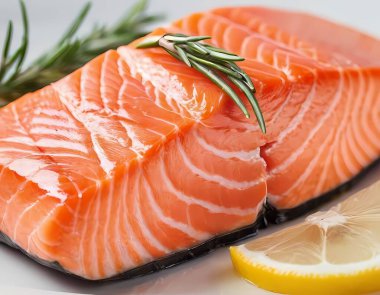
293 282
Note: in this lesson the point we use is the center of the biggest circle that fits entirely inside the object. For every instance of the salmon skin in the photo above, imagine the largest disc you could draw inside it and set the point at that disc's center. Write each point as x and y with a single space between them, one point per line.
136 162
270 215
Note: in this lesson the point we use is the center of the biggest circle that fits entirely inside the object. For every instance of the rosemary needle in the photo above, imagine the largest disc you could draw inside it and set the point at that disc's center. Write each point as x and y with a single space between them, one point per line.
215 63
70 52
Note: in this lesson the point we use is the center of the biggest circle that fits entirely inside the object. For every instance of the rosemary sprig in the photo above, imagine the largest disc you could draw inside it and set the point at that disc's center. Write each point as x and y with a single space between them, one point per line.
68 54
215 63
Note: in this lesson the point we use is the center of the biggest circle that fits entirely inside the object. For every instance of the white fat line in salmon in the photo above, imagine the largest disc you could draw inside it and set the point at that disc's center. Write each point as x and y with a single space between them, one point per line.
190 200
312 133
230 184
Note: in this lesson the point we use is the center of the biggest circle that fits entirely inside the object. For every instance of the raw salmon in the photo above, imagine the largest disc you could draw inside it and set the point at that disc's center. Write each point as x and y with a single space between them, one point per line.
136 157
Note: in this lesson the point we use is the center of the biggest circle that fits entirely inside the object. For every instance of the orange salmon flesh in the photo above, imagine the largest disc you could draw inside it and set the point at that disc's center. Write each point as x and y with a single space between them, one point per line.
136 156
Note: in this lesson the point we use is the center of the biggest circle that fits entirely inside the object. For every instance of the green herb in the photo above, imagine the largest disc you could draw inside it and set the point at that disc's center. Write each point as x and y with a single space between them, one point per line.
70 53
215 63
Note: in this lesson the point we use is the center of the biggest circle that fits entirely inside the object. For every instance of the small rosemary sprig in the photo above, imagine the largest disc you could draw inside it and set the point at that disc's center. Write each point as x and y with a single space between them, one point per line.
68 54
217 64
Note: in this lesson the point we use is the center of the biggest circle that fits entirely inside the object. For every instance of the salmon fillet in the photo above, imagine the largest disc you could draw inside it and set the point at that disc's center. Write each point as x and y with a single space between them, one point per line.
135 156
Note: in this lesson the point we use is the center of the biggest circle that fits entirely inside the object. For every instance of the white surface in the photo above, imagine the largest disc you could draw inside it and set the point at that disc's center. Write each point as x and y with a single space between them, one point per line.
49 18
29 291
212 274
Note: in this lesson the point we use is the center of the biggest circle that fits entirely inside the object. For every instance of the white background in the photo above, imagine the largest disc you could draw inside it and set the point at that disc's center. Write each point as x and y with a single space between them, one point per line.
212 274
49 18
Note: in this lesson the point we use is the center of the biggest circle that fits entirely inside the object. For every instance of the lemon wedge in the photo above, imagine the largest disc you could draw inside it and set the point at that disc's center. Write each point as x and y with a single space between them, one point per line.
331 252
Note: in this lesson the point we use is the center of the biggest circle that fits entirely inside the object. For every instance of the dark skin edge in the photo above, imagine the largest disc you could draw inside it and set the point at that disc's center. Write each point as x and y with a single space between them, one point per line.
270 215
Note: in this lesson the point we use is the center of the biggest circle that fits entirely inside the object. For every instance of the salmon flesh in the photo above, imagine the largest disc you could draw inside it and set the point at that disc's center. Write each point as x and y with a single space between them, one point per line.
136 162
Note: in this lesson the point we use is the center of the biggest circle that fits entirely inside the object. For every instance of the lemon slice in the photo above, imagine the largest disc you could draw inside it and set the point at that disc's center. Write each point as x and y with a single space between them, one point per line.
331 252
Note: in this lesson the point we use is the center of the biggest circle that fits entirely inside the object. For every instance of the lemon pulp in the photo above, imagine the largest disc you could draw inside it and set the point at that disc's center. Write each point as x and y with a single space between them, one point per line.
331 252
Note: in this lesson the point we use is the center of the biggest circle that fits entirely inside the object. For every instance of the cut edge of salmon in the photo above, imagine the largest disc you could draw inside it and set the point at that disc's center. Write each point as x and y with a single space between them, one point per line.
367 46
51 229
